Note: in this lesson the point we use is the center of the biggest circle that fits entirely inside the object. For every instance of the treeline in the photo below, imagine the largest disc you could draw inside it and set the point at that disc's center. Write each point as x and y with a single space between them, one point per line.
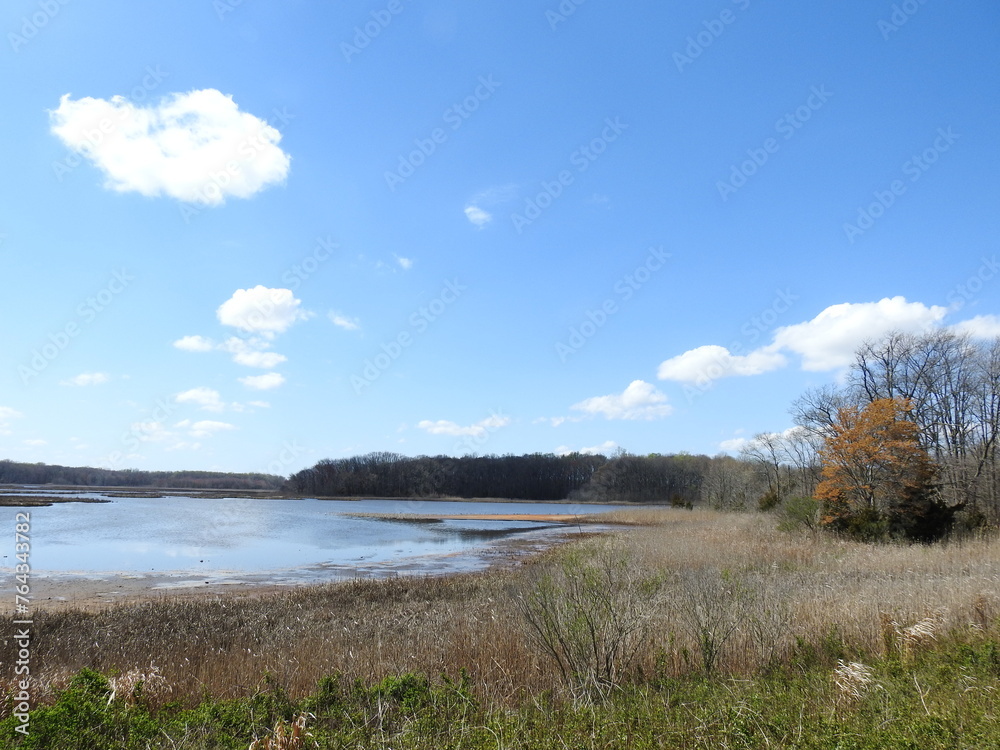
866 471
85 476
951 386
623 478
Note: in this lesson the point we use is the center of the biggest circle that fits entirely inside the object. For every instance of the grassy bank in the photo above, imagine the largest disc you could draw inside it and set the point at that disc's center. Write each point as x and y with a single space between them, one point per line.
703 630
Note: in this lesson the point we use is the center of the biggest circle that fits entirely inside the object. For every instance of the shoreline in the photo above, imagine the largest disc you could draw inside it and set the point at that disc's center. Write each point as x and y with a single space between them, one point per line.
92 592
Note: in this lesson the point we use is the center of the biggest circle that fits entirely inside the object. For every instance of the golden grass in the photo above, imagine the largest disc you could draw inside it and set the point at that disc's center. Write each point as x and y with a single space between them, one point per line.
787 586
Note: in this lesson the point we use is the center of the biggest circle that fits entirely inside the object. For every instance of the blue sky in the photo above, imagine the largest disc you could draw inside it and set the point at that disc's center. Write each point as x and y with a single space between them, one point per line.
248 236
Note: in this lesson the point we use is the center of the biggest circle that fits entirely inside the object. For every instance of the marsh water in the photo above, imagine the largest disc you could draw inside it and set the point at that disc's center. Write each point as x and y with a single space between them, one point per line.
239 539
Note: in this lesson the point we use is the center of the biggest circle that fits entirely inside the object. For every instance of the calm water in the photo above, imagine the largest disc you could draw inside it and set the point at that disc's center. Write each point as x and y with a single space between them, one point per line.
242 537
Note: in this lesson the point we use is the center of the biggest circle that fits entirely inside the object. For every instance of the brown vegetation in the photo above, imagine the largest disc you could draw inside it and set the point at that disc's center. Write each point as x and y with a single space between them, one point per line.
729 594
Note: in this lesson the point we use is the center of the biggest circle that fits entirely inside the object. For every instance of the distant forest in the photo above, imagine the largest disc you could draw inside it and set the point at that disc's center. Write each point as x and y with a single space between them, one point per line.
85 476
676 479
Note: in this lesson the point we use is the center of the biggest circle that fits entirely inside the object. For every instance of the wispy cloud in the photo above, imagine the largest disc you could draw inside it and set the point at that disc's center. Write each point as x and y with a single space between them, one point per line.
478 216
478 208
342 321
202 397
6 415
263 382
87 378
446 427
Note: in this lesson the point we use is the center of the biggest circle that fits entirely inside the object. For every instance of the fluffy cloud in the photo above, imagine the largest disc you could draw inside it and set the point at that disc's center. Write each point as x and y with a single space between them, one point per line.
197 147
202 397
828 341
405 263
342 321
194 344
263 382
35 442
639 401
87 378
444 427
713 362
262 311
979 327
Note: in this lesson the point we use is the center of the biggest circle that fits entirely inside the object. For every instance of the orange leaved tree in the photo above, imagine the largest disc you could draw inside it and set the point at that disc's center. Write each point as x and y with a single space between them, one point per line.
877 480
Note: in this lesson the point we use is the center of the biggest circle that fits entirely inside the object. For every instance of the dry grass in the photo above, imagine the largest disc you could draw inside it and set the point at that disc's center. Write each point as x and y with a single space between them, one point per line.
774 587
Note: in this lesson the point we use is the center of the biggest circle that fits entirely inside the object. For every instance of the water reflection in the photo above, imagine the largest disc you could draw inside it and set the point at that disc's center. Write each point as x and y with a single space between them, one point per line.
203 536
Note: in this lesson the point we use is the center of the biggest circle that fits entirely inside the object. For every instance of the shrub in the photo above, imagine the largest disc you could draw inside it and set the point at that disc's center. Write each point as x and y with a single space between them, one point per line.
589 613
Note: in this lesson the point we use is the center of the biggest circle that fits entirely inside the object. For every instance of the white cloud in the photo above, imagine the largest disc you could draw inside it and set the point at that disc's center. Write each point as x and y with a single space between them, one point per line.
640 400
555 421
194 344
262 360
733 445
150 432
7 414
260 404
202 397
979 327
250 352
262 311
263 382
478 216
87 378
713 362
604 449
36 442
208 428
445 427
197 147
829 341
183 445
405 263
342 321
